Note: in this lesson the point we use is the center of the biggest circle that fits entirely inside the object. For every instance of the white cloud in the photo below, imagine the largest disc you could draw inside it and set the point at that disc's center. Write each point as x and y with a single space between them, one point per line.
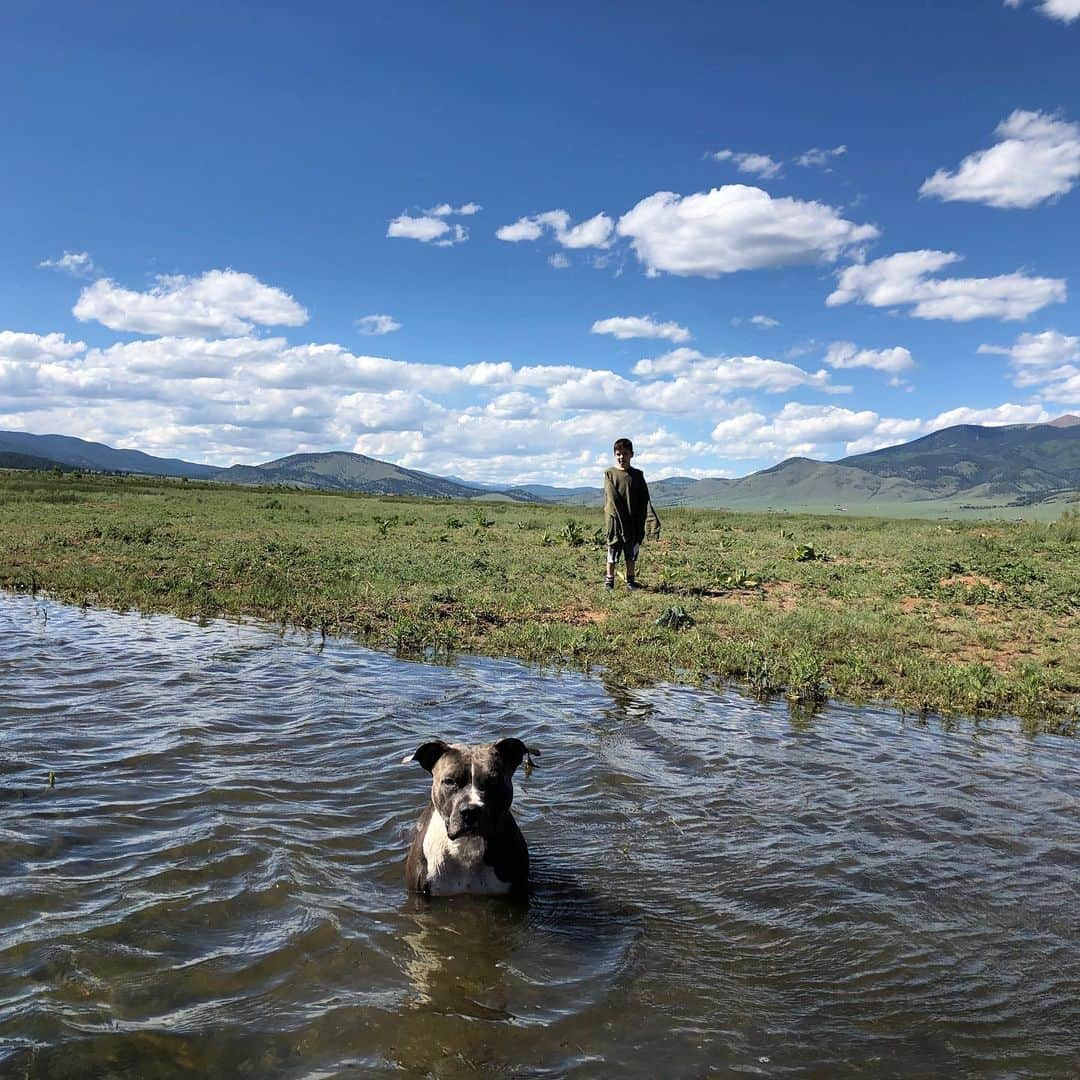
696 372
425 229
428 229
998 416
903 279
892 431
735 227
446 210
525 228
376 325
16 347
757 164
558 260
1065 11
76 263
640 326
1048 349
765 321
814 424
818 158
738 427
220 302
1048 362
889 431
844 354
1037 157
595 232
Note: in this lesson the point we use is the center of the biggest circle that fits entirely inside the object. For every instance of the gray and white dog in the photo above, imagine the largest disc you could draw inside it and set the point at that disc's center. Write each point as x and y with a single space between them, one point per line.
467 841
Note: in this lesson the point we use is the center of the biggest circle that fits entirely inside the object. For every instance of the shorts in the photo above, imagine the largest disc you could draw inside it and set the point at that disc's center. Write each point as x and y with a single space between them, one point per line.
622 548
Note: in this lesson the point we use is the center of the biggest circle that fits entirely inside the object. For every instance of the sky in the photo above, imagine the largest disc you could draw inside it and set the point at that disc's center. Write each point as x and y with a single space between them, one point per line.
484 240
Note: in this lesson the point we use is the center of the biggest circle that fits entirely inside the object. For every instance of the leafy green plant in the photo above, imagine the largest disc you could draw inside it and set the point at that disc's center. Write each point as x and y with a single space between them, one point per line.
572 534
675 618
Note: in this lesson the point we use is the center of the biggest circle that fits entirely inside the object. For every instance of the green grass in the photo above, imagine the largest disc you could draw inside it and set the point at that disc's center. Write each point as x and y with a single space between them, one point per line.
973 618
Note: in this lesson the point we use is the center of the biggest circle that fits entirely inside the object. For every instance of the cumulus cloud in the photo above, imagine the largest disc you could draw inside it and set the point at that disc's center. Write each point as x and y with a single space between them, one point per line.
559 261
1048 362
428 229
765 321
219 302
16 347
376 325
1036 157
640 326
1045 350
737 427
735 227
844 354
904 279
757 164
1065 11
696 371
817 158
595 232
446 210
76 263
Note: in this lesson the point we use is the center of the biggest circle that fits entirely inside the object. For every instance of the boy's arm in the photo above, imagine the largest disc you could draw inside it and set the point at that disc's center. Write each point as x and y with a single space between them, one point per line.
612 521
652 521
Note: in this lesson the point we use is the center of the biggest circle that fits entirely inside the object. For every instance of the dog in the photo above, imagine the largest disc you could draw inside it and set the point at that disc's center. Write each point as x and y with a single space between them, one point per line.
467 841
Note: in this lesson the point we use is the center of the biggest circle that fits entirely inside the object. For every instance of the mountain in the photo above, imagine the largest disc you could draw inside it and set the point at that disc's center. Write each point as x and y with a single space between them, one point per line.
11 460
1016 461
966 466
342 471
962 466
97 457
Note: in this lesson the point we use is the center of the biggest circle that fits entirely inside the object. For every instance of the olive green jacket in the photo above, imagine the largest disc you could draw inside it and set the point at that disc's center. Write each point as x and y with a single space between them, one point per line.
628 513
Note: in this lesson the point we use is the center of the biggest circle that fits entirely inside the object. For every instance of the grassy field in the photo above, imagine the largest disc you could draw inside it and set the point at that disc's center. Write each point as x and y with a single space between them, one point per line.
952 617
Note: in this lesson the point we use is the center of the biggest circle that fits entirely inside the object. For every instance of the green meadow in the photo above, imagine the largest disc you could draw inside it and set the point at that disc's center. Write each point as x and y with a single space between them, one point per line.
954 617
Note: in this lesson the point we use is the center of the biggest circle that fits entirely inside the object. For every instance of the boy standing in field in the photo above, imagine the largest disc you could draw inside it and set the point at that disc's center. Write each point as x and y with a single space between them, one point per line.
628 513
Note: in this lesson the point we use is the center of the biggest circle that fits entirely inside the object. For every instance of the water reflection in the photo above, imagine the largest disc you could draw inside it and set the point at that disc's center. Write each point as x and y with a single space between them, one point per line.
214 886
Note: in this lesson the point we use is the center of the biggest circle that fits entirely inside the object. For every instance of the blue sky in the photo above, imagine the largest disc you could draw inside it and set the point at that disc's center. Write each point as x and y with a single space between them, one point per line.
484 240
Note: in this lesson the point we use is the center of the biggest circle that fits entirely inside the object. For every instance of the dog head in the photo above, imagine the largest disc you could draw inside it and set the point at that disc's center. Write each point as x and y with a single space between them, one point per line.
471 786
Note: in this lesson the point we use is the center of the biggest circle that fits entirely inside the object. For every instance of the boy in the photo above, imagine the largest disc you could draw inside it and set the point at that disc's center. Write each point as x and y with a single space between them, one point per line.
628 513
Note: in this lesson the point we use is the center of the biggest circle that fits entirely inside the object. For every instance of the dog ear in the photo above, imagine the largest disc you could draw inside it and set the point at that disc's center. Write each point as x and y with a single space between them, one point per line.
427 754
513 750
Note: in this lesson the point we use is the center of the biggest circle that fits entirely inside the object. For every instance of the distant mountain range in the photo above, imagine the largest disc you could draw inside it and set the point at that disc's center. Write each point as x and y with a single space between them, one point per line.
967 466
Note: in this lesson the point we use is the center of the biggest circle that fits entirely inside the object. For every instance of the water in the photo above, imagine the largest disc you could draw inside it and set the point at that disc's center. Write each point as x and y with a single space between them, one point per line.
214 885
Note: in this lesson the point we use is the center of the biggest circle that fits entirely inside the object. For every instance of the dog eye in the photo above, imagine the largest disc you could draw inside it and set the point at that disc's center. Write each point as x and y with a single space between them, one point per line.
449 781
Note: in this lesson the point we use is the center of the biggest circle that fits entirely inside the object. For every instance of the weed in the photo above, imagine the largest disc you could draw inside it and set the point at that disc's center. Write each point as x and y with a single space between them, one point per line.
675 618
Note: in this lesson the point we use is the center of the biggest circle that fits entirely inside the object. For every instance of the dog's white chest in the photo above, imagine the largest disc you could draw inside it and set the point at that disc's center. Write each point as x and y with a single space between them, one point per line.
457 866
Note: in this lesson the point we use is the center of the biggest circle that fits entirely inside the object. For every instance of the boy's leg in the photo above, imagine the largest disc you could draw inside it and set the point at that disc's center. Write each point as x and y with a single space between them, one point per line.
612 559
630 555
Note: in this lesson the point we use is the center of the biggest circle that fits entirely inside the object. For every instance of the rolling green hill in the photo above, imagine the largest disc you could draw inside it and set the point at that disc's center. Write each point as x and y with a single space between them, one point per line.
342 471
1018 461
97 457
962 468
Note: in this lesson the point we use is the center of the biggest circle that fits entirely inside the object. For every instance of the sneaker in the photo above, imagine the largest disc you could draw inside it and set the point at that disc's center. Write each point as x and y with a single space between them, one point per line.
609 583
632 585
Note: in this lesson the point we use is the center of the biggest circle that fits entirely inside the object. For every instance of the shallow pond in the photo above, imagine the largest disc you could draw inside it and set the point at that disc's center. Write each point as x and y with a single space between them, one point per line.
214 885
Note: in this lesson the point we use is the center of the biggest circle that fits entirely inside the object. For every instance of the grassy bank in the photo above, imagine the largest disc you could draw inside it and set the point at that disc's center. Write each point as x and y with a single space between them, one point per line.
974 618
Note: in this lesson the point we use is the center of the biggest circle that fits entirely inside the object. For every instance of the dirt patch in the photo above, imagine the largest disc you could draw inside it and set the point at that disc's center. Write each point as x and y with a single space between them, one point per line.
779 595
571 616
969 581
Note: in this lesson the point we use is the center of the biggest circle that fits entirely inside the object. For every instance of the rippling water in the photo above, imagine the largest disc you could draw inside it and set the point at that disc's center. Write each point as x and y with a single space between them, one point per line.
214 885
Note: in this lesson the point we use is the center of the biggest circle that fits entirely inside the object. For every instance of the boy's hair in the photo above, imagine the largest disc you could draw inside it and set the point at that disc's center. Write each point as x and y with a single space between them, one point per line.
623 444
